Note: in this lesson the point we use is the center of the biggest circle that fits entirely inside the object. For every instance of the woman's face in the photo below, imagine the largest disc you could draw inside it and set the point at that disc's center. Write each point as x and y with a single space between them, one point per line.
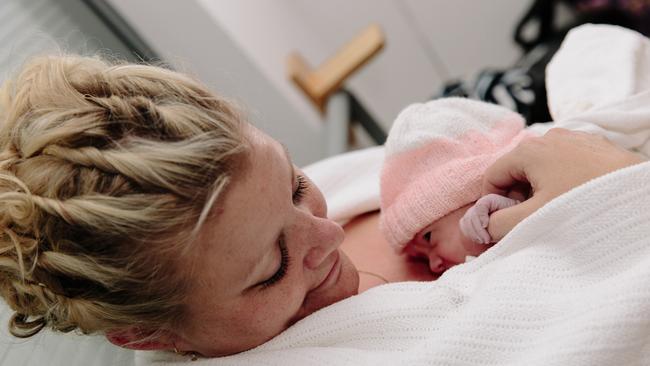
267 258
443 244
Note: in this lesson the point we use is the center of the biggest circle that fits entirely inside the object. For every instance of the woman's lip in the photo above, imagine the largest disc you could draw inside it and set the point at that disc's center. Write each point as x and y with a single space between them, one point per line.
312 296
332 274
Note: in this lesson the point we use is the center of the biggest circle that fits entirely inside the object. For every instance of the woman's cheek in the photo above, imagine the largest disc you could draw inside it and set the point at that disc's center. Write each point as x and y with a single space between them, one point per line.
274 313
289 295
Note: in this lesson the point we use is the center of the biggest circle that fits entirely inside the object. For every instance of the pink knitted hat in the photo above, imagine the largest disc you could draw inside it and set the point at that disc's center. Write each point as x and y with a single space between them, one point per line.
436 154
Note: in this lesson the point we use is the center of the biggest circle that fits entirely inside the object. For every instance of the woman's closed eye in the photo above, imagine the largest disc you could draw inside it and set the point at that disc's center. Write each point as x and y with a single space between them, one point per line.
301 189
297 196
284 265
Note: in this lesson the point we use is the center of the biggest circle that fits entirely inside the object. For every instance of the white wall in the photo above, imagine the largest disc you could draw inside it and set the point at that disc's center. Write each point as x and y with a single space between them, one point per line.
465 35
34 27
191 40
240 48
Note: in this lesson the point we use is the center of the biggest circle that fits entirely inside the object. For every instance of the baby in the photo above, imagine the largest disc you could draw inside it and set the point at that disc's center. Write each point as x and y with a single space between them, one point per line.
436 154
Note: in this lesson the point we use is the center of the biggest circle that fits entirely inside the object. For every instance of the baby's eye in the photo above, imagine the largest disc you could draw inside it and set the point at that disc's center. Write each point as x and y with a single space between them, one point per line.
427 236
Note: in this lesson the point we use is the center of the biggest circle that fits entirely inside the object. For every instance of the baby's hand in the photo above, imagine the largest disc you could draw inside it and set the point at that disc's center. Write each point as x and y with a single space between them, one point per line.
475 221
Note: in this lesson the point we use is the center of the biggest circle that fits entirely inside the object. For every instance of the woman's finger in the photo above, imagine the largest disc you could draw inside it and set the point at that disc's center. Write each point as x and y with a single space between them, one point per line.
506 172
502 221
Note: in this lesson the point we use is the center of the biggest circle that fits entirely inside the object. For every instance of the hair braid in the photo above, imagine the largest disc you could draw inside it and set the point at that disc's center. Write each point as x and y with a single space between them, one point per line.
104 170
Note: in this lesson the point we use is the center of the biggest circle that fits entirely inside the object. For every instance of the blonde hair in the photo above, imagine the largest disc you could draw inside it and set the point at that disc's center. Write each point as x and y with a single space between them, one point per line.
105 172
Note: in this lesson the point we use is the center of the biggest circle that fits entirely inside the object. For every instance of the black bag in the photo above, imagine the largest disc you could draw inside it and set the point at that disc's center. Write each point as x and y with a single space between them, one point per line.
521 87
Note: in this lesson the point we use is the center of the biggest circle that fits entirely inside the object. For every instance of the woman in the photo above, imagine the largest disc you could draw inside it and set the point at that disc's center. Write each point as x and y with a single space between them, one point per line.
137 204
125 191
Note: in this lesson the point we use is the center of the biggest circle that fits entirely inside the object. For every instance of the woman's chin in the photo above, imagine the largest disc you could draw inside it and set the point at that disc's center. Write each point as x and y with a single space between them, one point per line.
346 285
349 280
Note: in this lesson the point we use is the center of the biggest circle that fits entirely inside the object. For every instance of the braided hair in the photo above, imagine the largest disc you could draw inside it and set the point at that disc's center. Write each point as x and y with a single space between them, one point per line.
107 171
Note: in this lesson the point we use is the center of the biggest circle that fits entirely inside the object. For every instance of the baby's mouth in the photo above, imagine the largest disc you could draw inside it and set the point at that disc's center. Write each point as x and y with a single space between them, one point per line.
447 265
444 267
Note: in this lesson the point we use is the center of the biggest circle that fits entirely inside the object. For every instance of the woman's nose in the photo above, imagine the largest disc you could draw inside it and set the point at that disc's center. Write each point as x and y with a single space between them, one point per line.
326 236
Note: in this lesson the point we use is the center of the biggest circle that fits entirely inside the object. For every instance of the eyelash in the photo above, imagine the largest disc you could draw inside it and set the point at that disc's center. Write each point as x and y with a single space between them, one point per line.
284 265
301 190
297 196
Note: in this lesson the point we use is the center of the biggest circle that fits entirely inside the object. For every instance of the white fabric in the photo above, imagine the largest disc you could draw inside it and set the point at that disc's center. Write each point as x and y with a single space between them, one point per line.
453 117
596 64
569 286
599 82
349 182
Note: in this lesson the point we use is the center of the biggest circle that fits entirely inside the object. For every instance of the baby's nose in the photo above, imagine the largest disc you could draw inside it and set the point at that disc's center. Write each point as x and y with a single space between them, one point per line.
436 264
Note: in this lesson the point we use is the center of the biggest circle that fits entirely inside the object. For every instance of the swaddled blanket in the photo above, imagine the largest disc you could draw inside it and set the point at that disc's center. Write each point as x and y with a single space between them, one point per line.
568 286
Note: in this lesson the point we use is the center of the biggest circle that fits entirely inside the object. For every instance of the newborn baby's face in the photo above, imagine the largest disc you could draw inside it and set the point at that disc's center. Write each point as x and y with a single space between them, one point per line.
443 244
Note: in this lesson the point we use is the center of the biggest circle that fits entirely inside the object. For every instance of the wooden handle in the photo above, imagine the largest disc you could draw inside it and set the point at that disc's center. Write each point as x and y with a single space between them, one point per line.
320 83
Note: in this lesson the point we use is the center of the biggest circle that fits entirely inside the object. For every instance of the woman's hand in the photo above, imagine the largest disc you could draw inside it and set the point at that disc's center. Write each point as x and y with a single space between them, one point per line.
550 165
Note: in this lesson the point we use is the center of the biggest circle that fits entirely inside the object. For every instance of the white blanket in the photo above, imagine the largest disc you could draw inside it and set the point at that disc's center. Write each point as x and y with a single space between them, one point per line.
599 82
569 286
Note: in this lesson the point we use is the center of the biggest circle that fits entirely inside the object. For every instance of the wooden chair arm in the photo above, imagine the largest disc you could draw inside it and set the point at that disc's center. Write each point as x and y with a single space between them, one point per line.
318 84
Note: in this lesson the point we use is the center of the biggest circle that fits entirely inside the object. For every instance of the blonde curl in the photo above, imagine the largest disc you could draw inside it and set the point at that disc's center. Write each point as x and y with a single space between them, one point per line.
104 169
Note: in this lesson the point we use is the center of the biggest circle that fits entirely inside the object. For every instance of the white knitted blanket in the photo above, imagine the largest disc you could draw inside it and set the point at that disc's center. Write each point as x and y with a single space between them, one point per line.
569 286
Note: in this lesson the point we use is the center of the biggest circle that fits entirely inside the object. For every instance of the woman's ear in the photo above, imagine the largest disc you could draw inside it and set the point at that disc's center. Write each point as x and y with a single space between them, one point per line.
139 339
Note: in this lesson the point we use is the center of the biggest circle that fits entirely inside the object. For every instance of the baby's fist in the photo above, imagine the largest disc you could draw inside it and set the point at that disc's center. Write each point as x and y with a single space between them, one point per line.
475 221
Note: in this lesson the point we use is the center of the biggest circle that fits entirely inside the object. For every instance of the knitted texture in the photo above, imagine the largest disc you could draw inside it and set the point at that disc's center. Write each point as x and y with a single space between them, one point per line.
568 286
436 154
